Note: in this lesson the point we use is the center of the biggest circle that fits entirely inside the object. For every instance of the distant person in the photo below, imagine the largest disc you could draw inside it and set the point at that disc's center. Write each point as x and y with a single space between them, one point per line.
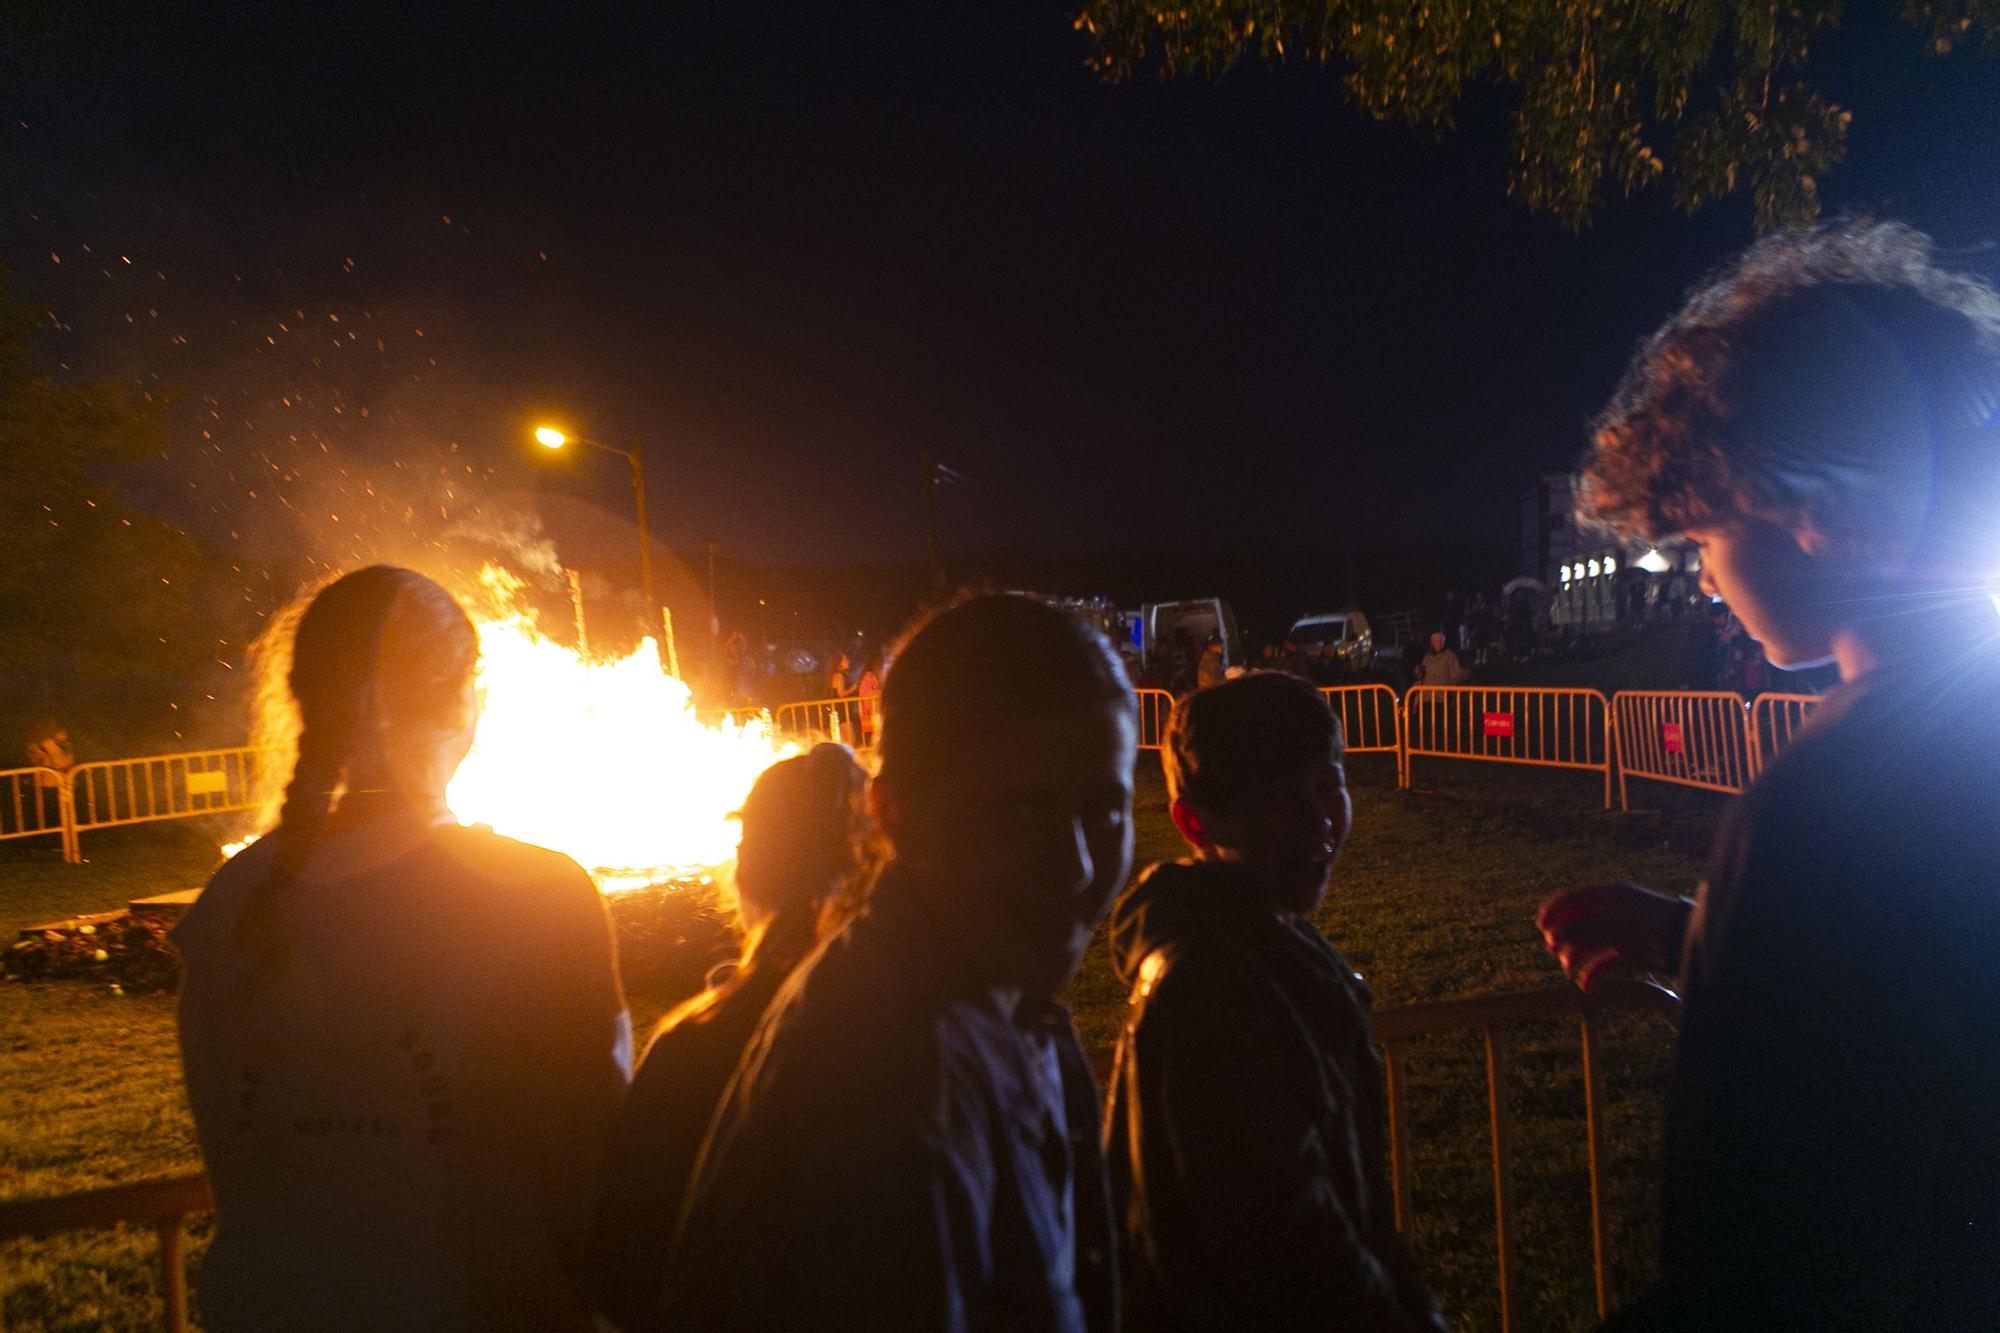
49 751
1246 1132
404 1040
911 1141
800 868
1209 671
868 693
1818 421
1440 666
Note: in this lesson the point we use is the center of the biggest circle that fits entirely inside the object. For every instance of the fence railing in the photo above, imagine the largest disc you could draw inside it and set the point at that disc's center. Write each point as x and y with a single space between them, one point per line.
166 1203
1552 728
854 720
1774 720
1155 707
1371 717
110 792
34 802
1491 1016
1675 736
1694 739
163 1204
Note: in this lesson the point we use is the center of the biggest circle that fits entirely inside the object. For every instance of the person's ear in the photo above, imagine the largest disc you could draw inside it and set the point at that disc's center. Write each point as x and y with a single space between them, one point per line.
1189 821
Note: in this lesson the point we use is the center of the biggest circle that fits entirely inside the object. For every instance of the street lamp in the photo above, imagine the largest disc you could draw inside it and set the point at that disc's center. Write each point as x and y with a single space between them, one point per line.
551 438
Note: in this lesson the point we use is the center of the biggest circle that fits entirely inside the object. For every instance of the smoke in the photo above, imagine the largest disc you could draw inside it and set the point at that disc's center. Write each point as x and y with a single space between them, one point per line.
513 530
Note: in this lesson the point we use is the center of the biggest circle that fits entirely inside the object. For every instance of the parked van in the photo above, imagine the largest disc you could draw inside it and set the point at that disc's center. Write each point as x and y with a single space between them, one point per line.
1345 635
1202 618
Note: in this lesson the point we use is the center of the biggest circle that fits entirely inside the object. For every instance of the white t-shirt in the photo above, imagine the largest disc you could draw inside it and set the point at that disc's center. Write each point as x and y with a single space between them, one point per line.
403 1111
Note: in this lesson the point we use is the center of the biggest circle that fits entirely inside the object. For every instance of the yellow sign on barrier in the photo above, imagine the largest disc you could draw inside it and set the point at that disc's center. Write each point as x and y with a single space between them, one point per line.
113 792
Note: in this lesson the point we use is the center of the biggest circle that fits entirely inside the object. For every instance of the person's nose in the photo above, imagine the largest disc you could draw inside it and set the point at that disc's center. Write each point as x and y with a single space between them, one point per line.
1707 583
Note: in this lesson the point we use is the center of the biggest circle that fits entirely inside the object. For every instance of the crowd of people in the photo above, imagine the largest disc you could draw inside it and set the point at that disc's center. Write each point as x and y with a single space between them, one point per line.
880 1117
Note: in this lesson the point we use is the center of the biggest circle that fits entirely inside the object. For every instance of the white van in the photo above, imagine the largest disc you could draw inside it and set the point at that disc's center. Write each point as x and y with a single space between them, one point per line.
1202 618
1345 635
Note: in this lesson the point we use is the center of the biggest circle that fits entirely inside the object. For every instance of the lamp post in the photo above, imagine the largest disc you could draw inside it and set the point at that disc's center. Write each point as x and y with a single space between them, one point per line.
551 438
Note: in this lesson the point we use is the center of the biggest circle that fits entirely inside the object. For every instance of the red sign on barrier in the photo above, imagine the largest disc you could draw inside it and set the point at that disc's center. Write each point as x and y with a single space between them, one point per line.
1670 737
1500 724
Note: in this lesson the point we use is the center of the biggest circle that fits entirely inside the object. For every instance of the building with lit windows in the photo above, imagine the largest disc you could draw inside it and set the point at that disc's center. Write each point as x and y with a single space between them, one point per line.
1595 581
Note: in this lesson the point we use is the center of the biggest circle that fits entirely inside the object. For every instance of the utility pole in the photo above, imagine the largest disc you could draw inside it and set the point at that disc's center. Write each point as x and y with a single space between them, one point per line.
931 519
714 611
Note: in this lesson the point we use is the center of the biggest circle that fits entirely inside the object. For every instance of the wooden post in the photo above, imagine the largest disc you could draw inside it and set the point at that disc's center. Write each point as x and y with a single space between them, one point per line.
576 601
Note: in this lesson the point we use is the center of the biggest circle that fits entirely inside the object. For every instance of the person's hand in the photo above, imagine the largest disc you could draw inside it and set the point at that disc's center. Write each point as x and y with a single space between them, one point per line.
1613 929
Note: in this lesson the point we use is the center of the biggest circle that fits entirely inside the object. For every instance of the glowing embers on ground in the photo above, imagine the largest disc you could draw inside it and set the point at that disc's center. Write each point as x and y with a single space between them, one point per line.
600 758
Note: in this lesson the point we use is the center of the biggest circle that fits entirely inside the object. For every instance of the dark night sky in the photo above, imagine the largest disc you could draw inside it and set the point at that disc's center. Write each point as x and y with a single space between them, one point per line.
788 247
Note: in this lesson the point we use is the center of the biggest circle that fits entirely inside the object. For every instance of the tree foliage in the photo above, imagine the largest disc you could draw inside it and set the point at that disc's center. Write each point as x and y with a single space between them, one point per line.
95 596
1706 97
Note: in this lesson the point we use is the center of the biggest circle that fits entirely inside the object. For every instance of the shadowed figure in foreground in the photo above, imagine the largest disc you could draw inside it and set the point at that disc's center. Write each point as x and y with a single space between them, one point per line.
1246 1134
911 1141
404 1040
805 852
1819 422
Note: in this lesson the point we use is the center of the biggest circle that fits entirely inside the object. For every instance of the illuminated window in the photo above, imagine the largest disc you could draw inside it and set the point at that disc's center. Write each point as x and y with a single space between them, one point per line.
1610 565
1565 573
1592 567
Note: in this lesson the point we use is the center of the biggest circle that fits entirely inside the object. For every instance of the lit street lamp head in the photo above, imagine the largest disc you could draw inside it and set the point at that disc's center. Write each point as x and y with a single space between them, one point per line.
551 437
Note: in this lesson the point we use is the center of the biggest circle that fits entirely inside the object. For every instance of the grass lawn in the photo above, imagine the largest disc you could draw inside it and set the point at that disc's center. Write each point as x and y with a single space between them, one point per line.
1432 900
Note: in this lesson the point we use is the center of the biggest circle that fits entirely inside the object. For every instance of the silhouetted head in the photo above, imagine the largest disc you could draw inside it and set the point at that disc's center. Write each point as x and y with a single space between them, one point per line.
805 840
1817 419
1008 737
1255 773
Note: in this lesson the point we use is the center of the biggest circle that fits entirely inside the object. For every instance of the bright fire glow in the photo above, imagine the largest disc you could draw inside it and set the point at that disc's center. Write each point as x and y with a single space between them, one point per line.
600 758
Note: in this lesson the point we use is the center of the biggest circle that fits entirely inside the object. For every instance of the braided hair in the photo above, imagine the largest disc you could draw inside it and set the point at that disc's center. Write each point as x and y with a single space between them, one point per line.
379 650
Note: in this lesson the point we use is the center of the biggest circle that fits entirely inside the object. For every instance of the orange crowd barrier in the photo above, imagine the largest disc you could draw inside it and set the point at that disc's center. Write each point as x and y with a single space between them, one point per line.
1550 728
1690 738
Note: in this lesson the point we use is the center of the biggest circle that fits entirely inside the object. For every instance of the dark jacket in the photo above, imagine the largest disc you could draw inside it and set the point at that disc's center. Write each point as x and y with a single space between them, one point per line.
661 1126
1246 1129
1832 1158
887 1155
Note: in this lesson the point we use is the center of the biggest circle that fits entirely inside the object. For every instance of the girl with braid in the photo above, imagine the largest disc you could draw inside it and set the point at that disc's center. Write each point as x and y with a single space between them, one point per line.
404 1040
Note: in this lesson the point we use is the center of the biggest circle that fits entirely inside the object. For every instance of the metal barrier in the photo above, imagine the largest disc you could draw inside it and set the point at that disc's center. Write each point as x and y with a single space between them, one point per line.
1155 707
854 720
1774 719
1553 728
1370 717
1694 739
34 802
742 715
163 1204
113 792
1491 1015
